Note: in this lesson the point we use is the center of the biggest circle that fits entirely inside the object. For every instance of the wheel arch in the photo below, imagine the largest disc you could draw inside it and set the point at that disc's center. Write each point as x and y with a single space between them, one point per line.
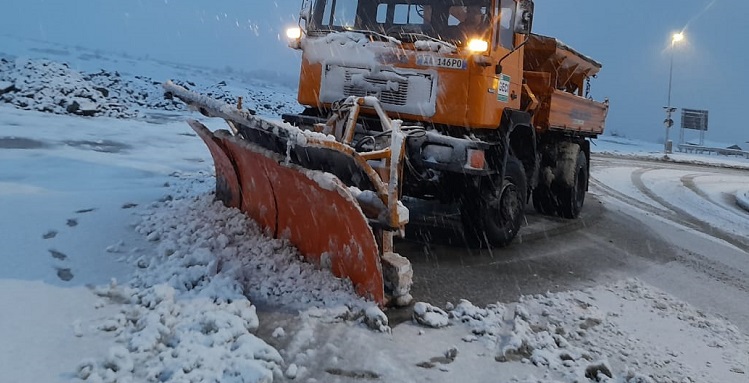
519 139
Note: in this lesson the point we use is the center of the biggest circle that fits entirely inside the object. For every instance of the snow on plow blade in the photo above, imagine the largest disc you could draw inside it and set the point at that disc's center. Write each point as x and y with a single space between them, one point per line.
306 187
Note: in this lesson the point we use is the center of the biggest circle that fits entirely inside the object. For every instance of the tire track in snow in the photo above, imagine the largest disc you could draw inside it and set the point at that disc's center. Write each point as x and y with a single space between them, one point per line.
728 198
711 268
611 192
685 216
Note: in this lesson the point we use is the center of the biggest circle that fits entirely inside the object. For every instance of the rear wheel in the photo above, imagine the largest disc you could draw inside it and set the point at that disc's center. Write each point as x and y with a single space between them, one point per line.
572 197
544 201
494 215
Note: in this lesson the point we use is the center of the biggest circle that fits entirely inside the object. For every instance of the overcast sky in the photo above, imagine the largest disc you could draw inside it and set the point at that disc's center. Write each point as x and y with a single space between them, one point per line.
631 38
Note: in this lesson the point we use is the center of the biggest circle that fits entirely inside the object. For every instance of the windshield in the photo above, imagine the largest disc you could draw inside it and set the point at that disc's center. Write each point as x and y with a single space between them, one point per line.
455 21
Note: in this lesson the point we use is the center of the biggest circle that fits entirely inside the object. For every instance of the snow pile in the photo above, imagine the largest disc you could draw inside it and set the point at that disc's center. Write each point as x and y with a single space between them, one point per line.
200 240
575 334
553 338
55 87
185 315
430 316
167 336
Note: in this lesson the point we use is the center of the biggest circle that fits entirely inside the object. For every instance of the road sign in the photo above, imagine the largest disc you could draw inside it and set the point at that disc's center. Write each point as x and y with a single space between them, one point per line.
694 119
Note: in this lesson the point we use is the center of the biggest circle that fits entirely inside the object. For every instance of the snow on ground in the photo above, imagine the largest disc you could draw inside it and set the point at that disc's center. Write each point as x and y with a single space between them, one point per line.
620 178
742 198
119 266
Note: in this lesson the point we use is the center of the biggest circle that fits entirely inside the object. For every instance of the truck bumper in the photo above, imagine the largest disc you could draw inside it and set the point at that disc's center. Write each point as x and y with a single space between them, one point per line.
429 149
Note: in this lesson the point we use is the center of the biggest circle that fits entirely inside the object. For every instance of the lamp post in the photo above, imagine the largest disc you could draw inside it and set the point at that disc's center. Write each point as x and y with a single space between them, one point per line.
668 122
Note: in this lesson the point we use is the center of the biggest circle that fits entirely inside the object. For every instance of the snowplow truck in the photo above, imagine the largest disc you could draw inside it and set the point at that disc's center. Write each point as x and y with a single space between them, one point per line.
449 100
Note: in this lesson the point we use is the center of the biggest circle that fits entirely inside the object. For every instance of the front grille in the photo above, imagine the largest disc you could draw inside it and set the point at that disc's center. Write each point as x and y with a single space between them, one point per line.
392 97
405 91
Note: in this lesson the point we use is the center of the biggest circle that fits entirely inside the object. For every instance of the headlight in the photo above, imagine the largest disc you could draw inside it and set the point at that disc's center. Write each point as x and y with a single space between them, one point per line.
478 46
294 33
476 159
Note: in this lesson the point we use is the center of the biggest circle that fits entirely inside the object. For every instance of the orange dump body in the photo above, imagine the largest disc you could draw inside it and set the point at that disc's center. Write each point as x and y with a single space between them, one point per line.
556 76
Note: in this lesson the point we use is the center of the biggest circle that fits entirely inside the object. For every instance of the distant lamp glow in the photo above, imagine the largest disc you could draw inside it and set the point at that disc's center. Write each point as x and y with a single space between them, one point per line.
677 37
294 33
478 46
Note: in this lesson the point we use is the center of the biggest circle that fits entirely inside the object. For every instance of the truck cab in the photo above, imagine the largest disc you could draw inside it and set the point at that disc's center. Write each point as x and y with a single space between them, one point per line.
434 61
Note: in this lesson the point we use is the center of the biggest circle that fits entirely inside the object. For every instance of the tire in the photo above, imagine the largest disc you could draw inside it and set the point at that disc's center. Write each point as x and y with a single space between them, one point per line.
571 198
544 201
494 215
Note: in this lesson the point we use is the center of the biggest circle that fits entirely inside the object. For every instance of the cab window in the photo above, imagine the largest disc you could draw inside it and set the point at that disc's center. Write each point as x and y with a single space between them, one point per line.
505 36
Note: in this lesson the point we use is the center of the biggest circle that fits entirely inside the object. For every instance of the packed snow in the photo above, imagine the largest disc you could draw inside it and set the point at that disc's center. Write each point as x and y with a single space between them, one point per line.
119 266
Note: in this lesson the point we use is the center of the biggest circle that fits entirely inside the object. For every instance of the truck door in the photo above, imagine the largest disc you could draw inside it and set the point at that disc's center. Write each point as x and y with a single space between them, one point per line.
507 83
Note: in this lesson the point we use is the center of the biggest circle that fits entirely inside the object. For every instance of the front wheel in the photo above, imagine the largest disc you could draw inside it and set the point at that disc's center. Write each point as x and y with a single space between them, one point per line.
496 213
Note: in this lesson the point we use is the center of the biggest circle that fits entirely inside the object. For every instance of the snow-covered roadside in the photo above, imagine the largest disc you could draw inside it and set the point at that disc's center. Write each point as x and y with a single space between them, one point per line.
211 257
186 314
623 147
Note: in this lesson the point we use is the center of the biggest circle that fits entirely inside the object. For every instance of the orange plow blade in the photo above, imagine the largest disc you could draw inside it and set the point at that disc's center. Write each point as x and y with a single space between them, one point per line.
227 184
338 206
313 210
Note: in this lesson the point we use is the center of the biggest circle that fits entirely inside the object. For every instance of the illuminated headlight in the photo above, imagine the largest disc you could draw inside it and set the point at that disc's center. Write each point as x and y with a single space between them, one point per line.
478 46
294 33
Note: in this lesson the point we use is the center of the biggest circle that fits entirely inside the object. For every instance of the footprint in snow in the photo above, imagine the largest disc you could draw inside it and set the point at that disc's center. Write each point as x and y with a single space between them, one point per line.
64 274
85 210
58 255
129 205
72 222
356 374
49 234
440 361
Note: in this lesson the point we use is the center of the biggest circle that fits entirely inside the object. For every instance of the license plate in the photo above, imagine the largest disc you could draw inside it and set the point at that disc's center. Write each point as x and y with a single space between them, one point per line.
442 62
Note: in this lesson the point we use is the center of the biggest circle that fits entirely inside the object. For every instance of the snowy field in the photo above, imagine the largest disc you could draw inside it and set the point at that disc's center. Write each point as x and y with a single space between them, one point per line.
118 266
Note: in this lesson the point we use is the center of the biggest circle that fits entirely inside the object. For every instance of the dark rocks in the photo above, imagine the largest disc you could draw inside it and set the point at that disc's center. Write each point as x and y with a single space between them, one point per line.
73 107
104 91
7 87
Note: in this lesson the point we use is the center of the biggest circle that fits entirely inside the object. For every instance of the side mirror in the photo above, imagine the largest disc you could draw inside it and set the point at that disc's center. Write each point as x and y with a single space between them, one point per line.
523 17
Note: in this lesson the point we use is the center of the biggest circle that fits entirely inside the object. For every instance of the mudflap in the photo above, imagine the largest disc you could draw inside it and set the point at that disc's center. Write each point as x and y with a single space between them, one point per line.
314 210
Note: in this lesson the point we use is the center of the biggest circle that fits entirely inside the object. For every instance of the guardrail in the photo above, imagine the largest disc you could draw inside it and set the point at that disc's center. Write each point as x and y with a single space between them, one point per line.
706 149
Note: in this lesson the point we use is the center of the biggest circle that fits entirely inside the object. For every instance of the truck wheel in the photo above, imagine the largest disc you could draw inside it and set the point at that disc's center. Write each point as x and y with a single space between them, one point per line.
496 215
544 201
571 198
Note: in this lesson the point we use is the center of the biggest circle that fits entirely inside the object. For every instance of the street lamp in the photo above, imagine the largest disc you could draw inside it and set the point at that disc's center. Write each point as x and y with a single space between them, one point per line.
677 37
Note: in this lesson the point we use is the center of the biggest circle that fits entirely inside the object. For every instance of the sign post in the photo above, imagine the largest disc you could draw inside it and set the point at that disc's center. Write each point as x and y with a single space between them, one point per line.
694 119
668 123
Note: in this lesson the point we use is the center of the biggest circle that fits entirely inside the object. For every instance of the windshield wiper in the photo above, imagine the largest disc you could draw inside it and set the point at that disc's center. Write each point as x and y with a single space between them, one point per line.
368 32
443 43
